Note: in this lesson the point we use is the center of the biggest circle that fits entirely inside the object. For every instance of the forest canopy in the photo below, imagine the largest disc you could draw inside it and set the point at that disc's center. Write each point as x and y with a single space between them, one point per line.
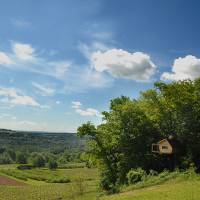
123 141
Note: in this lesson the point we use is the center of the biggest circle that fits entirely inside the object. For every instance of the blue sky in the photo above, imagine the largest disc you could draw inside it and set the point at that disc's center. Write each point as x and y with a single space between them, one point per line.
62 61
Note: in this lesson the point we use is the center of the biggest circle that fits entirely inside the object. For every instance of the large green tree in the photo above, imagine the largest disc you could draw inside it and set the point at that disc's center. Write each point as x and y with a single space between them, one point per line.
123 141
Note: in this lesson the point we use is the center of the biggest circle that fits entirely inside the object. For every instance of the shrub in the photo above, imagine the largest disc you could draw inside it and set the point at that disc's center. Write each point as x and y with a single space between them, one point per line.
135 175
21 158
38 161
24 167
61 180
52 164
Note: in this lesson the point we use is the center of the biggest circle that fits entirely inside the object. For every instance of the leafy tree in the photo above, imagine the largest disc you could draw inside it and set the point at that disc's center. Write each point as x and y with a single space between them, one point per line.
21 158
12 154
123 142
38 161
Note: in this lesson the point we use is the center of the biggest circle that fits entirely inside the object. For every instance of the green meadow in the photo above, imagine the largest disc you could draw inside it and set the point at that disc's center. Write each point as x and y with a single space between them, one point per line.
83 185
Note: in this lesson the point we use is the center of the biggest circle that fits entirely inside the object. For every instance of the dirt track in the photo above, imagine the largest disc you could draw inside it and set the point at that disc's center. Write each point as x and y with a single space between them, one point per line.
8 181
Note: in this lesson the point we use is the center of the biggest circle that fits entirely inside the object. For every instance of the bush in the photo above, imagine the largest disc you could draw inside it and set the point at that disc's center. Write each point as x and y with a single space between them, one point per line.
135 175
21 158
5 159
52 164
61 180
24 167
38 161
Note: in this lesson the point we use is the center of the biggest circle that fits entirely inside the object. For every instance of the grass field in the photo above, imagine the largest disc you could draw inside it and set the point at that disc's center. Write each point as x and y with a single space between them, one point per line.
172 190
83 185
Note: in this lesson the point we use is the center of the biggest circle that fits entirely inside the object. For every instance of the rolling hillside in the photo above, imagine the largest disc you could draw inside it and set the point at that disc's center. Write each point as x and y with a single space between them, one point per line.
39 140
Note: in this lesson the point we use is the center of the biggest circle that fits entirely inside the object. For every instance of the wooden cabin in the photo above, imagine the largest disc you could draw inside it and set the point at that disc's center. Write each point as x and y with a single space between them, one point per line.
165 146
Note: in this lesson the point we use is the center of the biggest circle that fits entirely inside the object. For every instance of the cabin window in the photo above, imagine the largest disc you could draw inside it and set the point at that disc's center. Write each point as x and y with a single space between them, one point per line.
155 148
164 147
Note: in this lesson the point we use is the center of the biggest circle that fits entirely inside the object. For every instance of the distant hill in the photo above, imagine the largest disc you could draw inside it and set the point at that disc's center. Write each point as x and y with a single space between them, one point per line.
39 140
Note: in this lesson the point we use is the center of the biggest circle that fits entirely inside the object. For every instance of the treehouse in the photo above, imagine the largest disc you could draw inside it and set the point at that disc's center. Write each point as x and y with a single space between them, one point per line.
165 146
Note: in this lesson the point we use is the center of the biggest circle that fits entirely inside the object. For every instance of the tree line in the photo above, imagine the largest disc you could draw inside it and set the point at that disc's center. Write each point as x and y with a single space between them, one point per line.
27 158
123 141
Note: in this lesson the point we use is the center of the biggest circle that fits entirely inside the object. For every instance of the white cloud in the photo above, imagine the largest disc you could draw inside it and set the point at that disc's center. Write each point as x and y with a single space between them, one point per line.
57 102
89 112
44 90
187 67
59 68
5 59
102 35
21 23
88 50
24 57
122 64
7 116
24 125
23 52
12 96
76 104
29 123
71 77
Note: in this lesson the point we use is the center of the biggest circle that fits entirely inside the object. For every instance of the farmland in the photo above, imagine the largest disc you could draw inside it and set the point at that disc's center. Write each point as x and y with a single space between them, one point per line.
82 182
83 185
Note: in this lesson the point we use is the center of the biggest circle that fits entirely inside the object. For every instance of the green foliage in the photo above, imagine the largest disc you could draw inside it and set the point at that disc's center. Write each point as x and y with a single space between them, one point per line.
53 186
52 164
123 142
5 158
39 141
21 158
24 167
38 160
135 175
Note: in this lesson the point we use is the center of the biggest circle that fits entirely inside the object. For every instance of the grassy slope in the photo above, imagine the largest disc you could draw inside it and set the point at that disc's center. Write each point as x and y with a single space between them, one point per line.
172 190
40 190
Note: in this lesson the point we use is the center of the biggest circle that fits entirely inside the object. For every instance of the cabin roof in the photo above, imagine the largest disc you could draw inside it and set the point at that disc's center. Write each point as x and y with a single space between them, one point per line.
174 143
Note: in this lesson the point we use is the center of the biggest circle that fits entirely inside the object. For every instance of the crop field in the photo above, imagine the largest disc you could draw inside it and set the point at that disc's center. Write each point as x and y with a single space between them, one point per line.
39 184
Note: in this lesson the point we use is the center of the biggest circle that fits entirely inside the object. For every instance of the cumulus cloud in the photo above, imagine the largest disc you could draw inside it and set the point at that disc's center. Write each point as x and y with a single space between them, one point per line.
44 90
5 59
187 67
122 64
23 51
87 112
12 96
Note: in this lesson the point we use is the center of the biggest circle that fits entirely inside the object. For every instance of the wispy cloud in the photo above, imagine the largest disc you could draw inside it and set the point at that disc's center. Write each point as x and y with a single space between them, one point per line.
14 97
25 57
73 77
86 112
20 23
43 90
5 59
